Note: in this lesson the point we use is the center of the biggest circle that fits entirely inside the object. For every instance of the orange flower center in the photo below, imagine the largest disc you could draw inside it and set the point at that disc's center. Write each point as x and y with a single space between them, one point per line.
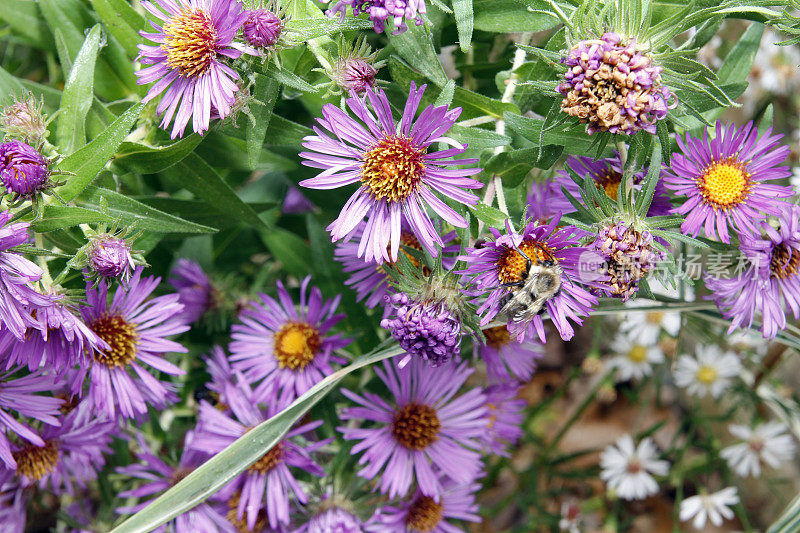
392 168
190 41
240 524
416 426
121 338
296 345
784 261
269 460
609 182
497 337
725 183
424 514
35 462
512 266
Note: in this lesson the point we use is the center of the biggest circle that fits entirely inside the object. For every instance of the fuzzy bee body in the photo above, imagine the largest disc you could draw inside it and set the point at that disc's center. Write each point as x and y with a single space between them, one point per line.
541 282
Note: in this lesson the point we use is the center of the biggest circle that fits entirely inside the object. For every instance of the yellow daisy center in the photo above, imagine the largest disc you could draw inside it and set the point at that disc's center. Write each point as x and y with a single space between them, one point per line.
654 317
121 338
497 337
296 345
190 41
424 514
706 375
415 426
725 183
512 265
638 354
392 168
784 262
35 462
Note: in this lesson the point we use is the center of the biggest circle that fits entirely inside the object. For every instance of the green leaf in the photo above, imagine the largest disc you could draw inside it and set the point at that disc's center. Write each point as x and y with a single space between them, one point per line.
26 22
76 99
572 137
266 91
289 249
416 46
739 61
122 21
130 211
223 467
512 16
87 162
59 217
464 22
151 159
290 79
489 215
200 212
313 28
512 166
645 195
200 178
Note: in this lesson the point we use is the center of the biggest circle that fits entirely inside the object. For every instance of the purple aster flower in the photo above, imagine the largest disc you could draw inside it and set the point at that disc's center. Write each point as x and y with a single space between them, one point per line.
429 331
262 28
111 257
13 504
614 86
424 514
284 349
607 174
21 396
159 476
195 290
16 276
507 359
56 338
71 453
268 483
397 175
332 520
192 38
222 375
135 329
423 431
546 200
500 261
724 180
769 283
506 414
379 11
23 170
296 202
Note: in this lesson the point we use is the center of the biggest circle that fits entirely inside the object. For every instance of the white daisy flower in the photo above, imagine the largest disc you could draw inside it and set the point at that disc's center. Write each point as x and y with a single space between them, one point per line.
634 359
646 326
766 443
627 469
709 372
713 507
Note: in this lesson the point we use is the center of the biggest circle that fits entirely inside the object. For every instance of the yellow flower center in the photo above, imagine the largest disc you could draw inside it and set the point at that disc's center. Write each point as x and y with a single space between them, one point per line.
392 168
654 317
512 265
269 460
497 337
240 524
415 426
121 338
784 261
725 183
424 514
609 182
35 462
296 345
638 354
190 41
706 375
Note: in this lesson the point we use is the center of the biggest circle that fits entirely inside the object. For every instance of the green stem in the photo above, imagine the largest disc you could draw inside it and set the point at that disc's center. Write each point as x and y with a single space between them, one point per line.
587 401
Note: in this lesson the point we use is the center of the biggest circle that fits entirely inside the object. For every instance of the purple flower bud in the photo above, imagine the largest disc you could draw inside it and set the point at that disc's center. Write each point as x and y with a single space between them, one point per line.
23 170
427 330
262 28
357 75
111 257
23 119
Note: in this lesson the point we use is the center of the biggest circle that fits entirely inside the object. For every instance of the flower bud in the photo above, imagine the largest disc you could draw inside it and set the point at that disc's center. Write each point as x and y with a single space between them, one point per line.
356 75
110 257
23 119
23 170
262 28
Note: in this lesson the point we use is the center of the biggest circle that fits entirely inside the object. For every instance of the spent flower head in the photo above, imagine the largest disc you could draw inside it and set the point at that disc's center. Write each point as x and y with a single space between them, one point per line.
23 119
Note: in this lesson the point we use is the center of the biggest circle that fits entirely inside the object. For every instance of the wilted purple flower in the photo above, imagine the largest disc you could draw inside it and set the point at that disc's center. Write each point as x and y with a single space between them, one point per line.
135 329
397 175
195 290
628 256
160 476
111 257
507 359
506 412
23 119
499 261
422 431
424 513
296 202
284 349
21 396
770 282
262 28
192 38
23 170
379 11
71 453
268 483
332 520
723 180
427 330
614 86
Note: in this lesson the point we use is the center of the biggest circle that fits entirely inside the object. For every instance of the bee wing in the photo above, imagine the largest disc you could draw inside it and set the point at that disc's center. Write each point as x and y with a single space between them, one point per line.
526 316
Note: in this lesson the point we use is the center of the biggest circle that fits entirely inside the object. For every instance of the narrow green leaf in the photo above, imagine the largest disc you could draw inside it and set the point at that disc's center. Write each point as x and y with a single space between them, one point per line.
489 215
416 46
122 21
446 95
266 91
290 79
76 99
645 196
464 22
314 28
129 211
739 61
151 159
59 217
289 249
87 162
26 22
512 16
